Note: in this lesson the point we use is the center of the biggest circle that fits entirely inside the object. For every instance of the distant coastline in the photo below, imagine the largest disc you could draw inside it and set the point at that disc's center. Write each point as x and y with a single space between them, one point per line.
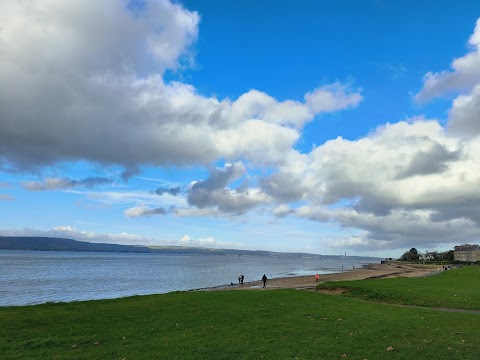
27 243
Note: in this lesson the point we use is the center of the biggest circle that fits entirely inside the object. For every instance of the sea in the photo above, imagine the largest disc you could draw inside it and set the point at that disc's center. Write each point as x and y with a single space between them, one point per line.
35 277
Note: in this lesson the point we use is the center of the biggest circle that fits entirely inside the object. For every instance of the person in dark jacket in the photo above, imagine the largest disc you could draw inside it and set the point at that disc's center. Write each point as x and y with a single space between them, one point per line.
264 279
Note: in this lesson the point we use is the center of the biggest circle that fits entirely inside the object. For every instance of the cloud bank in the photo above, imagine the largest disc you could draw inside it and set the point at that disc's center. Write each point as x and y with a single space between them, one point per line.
85 81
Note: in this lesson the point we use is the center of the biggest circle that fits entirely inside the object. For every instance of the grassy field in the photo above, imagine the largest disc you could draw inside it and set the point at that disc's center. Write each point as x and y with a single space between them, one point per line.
263 324
456 288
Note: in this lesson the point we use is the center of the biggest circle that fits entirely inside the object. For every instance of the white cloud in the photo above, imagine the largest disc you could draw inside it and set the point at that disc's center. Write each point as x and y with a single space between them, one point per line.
209 242
463 76
357 242
215 193
196 212
333 97
103 99
258 105
282 210
47 184
66 228
406 182
139 211
327 98
398 229
185 239
463 117
64 183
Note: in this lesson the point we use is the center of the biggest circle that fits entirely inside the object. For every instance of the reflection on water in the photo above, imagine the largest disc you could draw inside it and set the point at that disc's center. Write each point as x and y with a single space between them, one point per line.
28 277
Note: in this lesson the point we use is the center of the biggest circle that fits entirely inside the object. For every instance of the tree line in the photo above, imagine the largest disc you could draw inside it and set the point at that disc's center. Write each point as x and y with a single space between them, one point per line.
414 255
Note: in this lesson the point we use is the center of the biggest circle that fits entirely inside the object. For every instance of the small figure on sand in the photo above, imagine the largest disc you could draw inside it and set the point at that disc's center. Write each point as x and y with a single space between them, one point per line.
264 279
241 279
317 277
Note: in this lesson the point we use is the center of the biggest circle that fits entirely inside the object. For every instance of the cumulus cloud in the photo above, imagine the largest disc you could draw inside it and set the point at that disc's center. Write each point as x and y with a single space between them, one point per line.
282 210
327 98
462 78
187 240
463 117
293 179
84 80
174 191
128 173
258 105
139 211
463 75
66 228
64 183
333 97
96 92
214 193
405 183
398 229
209 242
198 212
431 161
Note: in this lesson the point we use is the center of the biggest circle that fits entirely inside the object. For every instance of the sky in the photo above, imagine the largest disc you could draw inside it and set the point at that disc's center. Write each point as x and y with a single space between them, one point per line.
296 126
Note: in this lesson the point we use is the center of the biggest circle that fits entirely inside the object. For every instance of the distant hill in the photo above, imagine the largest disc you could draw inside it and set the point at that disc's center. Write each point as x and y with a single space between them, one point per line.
62 244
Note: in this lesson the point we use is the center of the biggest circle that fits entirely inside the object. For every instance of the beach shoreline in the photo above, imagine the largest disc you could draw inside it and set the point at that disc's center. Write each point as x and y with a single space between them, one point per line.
387 270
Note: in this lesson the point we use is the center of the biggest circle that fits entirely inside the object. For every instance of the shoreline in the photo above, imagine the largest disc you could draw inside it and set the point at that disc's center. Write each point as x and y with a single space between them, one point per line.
389 270
370 271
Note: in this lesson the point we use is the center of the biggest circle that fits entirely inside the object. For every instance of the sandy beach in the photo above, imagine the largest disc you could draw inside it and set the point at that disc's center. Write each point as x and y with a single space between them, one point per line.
389 270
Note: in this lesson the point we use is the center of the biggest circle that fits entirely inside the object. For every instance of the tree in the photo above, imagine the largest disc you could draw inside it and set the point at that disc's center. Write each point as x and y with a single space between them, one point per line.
446 256
411 255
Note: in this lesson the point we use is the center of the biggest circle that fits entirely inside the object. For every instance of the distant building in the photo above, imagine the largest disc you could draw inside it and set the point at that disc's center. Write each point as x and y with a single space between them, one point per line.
428 256
467 252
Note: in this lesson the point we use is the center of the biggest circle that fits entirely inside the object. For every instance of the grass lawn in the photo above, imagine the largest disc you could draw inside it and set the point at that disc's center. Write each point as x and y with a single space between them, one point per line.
271 324
456 288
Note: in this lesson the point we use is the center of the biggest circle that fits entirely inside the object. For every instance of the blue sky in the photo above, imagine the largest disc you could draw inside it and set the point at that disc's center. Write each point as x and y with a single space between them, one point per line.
313 126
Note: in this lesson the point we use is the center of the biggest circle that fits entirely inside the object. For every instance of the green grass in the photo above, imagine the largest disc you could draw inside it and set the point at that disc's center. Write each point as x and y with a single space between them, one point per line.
276 324
456 288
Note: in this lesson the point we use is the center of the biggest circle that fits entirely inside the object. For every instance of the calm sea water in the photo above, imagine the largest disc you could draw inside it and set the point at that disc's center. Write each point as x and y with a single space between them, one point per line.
33 277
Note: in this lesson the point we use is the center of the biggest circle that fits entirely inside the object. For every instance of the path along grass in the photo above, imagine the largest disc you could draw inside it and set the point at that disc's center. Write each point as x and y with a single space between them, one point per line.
264 324
456 288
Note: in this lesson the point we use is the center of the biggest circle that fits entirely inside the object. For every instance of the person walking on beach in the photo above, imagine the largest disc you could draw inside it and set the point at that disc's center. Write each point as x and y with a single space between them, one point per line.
317 277
241 279
264 279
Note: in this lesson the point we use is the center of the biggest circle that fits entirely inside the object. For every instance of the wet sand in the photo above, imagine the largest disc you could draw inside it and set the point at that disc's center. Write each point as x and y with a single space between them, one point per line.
389 270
